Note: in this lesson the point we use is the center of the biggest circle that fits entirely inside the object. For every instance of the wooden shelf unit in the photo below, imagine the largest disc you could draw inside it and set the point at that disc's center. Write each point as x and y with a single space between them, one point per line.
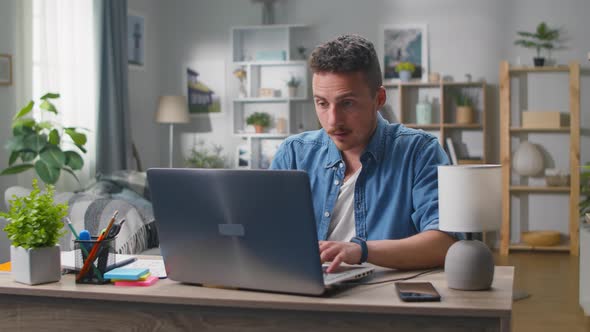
506 133
443 115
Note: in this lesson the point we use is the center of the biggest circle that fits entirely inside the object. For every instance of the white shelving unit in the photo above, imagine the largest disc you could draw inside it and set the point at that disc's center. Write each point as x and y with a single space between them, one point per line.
269 56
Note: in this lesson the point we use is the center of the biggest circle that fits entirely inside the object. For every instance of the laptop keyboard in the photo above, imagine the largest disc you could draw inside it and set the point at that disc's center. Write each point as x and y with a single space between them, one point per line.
340 271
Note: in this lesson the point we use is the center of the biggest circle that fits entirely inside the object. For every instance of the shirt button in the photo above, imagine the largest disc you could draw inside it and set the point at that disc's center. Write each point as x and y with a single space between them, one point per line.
341 165
336 182
326 214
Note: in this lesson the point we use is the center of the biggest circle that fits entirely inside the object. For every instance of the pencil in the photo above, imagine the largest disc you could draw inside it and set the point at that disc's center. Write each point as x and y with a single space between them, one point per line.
95 247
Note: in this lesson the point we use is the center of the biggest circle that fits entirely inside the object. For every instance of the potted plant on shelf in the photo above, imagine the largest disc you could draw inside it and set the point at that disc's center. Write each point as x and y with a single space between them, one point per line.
464 103
202 157
34 228
41 145
405 70
542 38
259 120
293 84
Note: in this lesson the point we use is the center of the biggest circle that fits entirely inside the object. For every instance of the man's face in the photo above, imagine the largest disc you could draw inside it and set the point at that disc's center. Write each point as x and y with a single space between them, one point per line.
346 108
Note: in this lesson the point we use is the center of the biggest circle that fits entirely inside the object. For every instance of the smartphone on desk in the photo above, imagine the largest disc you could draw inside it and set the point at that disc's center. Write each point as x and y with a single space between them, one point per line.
417 291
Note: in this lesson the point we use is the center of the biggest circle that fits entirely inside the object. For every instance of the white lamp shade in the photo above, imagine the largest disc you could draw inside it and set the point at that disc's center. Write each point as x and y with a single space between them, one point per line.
470 198
172 109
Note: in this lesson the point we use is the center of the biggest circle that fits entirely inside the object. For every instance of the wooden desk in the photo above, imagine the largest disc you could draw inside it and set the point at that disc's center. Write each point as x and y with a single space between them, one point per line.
170 306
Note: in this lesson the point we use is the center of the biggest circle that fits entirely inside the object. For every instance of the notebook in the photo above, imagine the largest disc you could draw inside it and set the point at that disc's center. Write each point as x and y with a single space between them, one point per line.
250 229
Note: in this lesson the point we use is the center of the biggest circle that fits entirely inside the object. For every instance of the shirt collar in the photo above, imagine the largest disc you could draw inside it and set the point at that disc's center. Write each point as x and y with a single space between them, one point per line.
374 148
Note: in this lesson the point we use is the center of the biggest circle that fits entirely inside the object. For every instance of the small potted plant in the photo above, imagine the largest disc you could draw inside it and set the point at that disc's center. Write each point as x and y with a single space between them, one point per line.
34 228
259 120
542 38
464 105
405 70
293 84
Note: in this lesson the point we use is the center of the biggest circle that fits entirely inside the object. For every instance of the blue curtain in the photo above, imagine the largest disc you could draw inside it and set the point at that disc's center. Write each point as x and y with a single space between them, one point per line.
114 151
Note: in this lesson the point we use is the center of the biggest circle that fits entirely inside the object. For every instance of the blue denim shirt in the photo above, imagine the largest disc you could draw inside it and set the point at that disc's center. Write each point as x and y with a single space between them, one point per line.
396 193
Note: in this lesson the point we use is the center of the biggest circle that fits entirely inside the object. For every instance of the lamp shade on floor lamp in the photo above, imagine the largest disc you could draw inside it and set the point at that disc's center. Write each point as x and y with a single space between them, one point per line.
171 110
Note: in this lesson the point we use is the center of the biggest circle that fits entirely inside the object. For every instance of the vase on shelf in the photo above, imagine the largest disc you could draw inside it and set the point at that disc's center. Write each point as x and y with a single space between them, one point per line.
292 91
527 160
423 112
242 93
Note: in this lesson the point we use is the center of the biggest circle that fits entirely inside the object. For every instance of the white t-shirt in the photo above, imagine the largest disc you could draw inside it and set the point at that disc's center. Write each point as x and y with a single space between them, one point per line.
342 226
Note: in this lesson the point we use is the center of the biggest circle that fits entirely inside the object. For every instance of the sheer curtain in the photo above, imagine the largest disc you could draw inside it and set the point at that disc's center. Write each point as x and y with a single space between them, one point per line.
64 61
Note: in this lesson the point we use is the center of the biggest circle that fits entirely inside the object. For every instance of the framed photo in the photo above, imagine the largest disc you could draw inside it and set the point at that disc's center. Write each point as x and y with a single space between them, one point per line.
405 43
135 40
205 87
5 69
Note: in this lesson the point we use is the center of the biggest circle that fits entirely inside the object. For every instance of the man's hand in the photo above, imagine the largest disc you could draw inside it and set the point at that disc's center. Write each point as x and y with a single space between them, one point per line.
338 253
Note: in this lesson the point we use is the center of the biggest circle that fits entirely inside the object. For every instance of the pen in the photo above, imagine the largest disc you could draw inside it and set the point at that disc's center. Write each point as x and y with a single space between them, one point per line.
121 263
95 248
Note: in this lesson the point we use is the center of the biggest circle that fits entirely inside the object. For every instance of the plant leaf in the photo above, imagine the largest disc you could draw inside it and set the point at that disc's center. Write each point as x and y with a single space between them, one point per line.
28 156
25 122
25 110
78 138
48 106
81 148
13 157
46 172
54 157
35 142
16 169
54 137
71 172
74 160
16 143
45 125
50 95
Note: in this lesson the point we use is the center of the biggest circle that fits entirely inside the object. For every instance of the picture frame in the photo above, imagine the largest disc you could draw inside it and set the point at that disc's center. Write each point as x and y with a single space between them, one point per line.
5 69
404 42
243 157
136 40
204 86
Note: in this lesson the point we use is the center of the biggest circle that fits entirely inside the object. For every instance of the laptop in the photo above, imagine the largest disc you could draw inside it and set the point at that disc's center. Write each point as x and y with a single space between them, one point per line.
250 229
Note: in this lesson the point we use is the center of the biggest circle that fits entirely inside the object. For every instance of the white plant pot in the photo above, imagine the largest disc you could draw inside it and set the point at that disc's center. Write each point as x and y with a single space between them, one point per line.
405 75
35 266
527 160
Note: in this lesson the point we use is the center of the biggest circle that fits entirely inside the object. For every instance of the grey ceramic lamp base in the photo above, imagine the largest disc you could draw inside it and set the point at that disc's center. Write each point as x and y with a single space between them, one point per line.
469 265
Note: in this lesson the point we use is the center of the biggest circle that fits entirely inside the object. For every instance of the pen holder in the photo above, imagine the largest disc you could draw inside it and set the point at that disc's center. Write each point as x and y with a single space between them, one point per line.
105 256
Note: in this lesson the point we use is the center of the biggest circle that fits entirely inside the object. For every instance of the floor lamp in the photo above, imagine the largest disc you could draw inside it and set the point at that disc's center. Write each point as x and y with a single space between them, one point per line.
171 110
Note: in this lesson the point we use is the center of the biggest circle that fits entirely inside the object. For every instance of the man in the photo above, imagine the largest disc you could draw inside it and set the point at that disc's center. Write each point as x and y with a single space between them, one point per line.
374 184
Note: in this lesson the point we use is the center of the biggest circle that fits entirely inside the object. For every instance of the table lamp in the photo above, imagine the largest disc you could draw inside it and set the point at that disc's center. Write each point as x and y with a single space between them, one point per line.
171 110
469 200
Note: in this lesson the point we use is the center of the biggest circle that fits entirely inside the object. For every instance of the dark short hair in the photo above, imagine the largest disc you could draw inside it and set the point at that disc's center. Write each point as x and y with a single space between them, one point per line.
347 54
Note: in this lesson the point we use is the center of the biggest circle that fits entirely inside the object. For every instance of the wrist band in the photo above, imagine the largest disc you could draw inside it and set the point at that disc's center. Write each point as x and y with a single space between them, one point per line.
364 248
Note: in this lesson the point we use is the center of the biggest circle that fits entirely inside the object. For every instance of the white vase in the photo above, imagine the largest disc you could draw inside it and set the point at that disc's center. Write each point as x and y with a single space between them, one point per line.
35 266
527 160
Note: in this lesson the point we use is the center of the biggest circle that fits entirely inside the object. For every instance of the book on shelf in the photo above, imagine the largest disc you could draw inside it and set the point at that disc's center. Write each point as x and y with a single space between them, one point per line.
451 151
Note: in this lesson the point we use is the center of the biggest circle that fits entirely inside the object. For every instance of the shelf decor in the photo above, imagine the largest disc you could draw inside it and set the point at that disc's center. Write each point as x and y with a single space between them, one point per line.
527 160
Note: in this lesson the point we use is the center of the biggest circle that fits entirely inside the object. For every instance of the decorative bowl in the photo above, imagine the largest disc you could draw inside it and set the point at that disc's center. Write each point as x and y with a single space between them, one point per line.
541 238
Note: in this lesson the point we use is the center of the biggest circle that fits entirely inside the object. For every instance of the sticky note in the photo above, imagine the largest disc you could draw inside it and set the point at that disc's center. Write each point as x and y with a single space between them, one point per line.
147 282
126 273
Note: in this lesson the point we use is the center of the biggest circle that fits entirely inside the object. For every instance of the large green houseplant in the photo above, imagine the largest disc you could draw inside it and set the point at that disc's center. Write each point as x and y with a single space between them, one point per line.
34 228
543 38
44 146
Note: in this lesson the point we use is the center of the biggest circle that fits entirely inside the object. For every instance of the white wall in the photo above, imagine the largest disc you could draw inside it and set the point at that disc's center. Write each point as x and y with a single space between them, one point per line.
7 93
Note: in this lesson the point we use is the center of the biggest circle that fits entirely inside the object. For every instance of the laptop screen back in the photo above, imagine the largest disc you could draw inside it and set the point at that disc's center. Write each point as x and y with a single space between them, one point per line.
251 229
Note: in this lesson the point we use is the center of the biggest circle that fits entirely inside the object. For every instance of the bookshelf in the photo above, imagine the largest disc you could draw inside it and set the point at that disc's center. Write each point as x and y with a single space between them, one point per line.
512 131
470 139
